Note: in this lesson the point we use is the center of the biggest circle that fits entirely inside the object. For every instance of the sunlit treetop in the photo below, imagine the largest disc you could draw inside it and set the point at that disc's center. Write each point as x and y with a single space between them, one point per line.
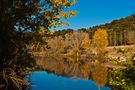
86 42
100 39
31 14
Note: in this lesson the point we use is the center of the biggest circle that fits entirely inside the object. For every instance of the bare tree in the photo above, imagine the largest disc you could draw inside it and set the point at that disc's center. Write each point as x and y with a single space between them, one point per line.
74 40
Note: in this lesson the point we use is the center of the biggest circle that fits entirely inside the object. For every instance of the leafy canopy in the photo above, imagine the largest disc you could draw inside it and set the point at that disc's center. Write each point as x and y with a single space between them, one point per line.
24 22
100 38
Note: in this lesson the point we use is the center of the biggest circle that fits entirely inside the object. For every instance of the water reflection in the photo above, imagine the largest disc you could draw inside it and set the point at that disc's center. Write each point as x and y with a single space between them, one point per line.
70 67
41 80
66 66
99 75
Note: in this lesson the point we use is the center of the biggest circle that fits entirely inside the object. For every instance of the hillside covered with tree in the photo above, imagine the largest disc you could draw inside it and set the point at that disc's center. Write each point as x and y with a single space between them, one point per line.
120 32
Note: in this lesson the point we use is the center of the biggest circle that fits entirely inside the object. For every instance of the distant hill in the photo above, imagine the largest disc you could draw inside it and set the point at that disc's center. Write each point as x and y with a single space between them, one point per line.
120 31
127 23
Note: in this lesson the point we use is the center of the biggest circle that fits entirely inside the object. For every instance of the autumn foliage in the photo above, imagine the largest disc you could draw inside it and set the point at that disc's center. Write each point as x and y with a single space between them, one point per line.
86 42
100 39
24 23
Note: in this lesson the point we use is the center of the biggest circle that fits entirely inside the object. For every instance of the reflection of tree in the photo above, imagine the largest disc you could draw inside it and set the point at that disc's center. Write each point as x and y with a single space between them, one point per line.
99 75
86 70
66 66
73 68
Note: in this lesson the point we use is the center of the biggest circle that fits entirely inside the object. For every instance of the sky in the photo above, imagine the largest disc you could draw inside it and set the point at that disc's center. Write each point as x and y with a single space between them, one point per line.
96 12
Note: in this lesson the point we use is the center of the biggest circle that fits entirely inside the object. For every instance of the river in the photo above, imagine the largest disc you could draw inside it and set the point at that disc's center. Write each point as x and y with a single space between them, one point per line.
41 80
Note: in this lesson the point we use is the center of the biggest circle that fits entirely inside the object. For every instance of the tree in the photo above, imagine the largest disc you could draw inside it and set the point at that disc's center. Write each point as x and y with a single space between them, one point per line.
100 39
20 22
86 42
120 32
56 45
74 41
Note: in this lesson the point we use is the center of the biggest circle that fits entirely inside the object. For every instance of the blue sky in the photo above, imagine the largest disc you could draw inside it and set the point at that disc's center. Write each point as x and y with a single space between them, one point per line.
96 12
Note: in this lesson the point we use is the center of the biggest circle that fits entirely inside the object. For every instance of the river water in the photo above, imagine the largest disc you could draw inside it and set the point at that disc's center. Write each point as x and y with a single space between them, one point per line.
41 80
68 74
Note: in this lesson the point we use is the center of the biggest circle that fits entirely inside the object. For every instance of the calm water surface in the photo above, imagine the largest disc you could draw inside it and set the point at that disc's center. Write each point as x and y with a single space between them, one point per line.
41 80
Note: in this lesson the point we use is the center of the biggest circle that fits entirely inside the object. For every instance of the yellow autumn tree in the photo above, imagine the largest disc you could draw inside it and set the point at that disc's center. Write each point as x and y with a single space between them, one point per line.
100 39
86 42
57 12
